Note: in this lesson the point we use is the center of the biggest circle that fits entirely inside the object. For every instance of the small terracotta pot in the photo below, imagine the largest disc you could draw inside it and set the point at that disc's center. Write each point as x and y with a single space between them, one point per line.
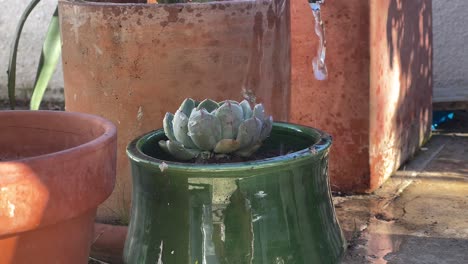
109 242
55 169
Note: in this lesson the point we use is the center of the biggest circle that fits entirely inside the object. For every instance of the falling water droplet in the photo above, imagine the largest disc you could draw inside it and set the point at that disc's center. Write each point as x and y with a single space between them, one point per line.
318 63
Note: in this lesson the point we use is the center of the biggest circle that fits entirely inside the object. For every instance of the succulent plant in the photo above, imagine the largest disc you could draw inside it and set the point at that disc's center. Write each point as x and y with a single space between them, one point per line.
207 129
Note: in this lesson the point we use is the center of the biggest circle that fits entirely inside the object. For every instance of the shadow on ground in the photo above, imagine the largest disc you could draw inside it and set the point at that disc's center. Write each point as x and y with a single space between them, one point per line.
419 215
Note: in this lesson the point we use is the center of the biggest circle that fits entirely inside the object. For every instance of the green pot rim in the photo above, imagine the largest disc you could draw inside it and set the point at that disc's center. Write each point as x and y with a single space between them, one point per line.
315 150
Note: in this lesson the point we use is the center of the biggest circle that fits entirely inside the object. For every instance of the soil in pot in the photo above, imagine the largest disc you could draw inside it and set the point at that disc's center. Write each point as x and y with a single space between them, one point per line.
269 150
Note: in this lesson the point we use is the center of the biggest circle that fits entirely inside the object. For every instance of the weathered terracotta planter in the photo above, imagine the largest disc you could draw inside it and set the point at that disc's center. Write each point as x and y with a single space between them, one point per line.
130 62
276 210
108 243
377 101
56 168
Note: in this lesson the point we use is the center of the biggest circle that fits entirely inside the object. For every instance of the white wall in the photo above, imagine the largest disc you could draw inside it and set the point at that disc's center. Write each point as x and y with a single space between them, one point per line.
30 46
450 29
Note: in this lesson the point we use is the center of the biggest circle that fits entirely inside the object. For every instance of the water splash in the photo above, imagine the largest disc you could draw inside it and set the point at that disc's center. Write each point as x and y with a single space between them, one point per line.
318 63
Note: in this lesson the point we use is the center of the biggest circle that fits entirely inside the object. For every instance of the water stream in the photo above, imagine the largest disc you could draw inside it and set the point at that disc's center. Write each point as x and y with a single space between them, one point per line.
318 63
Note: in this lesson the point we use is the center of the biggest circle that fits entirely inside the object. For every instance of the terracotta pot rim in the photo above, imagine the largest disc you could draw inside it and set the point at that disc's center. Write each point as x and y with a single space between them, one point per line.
192 5
46 189
109 132
319 148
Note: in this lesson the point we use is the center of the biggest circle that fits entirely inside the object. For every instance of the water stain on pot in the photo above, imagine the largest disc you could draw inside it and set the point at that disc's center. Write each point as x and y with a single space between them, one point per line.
173 15
257 51
271 17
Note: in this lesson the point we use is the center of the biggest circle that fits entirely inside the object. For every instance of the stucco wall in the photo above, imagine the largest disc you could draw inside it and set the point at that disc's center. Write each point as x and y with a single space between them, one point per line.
450 45
29 49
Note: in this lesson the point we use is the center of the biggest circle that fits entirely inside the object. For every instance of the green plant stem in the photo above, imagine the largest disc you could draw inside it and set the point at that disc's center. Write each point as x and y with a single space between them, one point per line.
49 58
14 50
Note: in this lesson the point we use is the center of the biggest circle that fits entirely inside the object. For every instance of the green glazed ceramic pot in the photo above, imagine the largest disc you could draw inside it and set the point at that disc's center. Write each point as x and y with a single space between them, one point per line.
275 210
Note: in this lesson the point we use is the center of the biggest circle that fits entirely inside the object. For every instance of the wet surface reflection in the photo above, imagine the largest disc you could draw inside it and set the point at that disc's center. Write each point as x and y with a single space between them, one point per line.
425 223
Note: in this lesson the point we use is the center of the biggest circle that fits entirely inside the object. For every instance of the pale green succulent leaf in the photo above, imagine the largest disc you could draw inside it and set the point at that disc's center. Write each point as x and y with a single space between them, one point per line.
246 109
209 128
178 150
249 132
259 111
247 152
163 145
226 146
231 116
266 128
167 124
225 101
180 128
204 129
187 106
209 105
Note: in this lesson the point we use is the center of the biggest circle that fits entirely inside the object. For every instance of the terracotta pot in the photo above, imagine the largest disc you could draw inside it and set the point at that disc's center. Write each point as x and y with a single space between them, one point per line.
276 210
131 62
376 102
57 168
108 243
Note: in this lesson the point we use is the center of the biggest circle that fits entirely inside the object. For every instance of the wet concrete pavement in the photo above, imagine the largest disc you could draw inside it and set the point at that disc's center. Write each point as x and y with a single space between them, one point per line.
420 215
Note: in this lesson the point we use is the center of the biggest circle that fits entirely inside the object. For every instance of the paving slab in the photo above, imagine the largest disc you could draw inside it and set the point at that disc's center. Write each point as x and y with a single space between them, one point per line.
420 215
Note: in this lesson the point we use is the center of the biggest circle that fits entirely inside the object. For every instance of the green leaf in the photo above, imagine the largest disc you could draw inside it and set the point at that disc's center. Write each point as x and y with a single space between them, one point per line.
247 110
267 126
179 152
259 112
249 132
179 126
168 128
163 145
209 105
231 116
48 62
204 129
14 51
187 106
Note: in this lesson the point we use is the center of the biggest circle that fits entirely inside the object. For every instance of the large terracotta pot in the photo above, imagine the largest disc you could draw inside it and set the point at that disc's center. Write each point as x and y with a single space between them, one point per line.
276 210
108 244
55 169
130 62
376 102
